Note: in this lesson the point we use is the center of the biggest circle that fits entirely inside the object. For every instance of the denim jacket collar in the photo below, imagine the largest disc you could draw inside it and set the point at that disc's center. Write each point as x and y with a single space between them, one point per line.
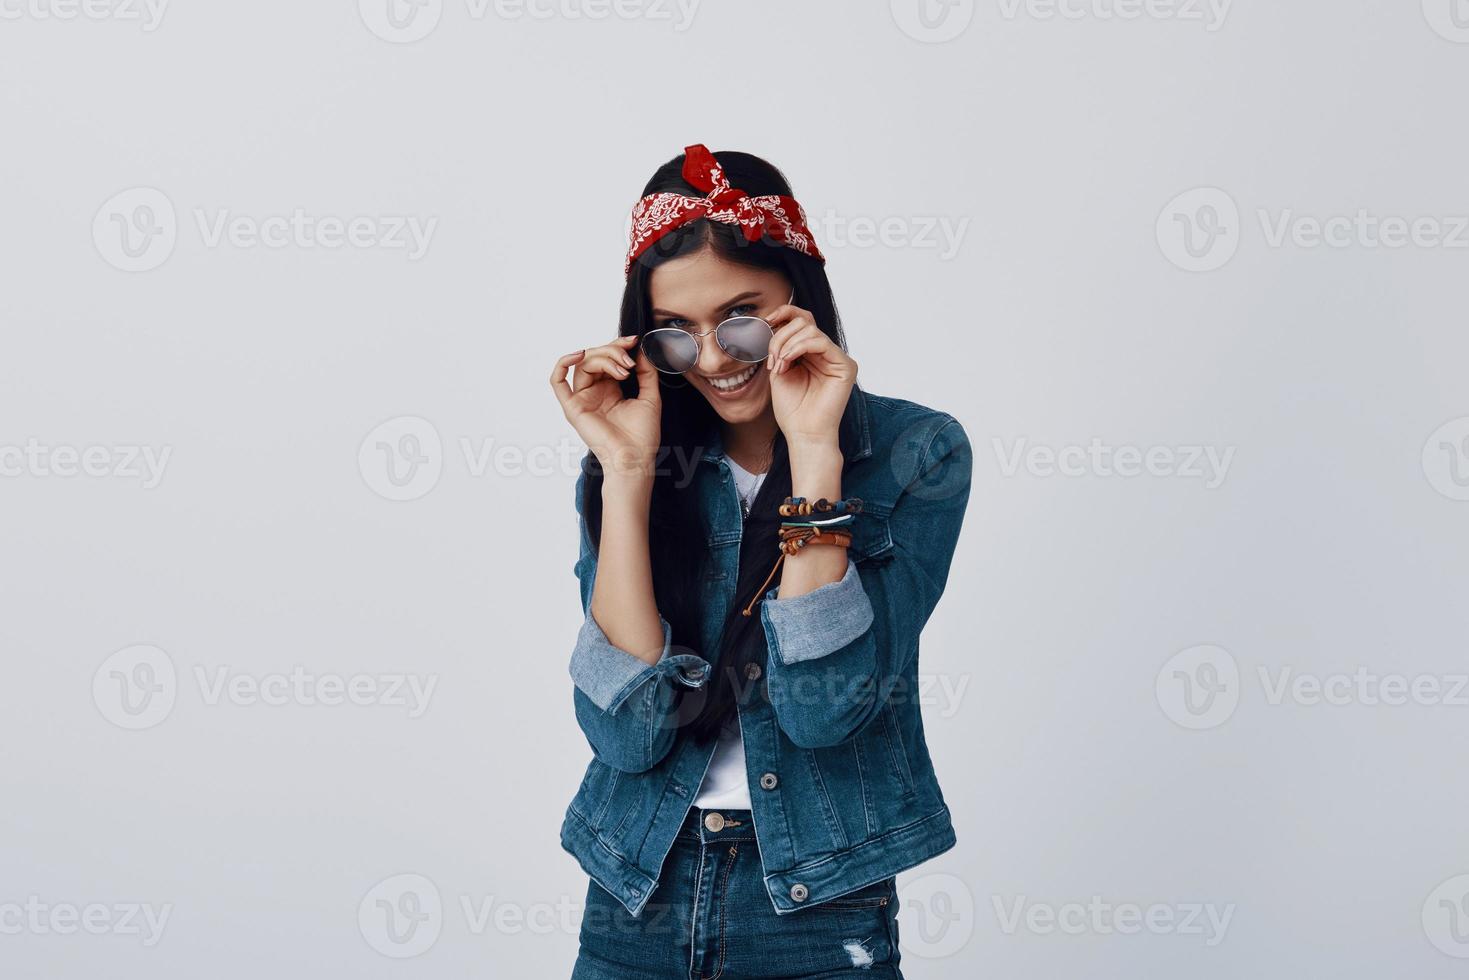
854 432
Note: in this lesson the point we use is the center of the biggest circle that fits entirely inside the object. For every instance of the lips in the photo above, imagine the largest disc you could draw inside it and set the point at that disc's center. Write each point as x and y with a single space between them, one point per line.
733 382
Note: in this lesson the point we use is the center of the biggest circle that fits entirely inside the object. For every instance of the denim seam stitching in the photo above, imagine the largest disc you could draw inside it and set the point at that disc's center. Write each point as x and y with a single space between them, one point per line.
901 751
887 738
857 754
723 911
597 839
838 835
923 462
602 810
694 915
937 814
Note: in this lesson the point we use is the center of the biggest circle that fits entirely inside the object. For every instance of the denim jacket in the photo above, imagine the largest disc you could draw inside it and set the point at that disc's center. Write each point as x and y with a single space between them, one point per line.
842 790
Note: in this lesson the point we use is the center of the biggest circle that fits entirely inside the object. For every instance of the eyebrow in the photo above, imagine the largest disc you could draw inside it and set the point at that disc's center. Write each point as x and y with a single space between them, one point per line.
752 294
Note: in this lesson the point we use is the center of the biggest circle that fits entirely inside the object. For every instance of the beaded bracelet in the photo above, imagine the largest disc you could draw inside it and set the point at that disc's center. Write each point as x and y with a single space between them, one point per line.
801 507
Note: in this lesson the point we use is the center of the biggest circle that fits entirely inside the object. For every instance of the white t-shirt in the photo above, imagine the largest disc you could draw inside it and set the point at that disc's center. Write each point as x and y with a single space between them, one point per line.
726 785
747 483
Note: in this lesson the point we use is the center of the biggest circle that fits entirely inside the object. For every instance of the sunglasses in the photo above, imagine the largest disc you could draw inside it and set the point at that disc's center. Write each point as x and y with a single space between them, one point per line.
744 338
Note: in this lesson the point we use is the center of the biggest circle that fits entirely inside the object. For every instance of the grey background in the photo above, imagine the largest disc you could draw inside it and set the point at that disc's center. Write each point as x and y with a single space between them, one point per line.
1334 542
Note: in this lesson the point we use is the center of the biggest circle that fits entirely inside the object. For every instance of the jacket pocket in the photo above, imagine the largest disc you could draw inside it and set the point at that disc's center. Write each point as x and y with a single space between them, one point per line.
595 792
873 896
872 537
897 750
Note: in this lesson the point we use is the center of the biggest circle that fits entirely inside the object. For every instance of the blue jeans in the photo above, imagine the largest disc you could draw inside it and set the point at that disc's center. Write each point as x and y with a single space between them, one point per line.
710 917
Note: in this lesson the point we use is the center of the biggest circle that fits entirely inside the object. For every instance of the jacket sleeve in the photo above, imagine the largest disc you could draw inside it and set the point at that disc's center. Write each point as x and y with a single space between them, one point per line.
838 651
627 708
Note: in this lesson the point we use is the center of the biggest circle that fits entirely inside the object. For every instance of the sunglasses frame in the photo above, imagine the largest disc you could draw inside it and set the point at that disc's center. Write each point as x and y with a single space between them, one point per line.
699 339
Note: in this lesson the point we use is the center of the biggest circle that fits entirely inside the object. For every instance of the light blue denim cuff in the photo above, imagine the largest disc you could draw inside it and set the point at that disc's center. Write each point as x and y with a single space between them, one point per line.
609 674
818 623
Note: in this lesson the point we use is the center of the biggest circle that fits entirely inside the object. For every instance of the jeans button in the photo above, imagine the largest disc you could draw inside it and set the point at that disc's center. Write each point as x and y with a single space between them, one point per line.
714 822
799 892
752 672
768 781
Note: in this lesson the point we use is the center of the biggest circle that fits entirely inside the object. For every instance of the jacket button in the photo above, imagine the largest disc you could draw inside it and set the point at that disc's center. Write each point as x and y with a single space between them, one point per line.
799 892
768 781
752 672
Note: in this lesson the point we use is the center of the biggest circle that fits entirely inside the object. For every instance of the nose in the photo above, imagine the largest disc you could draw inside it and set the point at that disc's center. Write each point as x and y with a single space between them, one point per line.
712 358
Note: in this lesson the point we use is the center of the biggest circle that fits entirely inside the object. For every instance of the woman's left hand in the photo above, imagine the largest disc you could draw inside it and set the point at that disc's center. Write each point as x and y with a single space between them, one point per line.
811 378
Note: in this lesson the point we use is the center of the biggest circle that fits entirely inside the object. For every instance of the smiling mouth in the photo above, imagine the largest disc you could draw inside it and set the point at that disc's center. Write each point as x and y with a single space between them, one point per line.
734 382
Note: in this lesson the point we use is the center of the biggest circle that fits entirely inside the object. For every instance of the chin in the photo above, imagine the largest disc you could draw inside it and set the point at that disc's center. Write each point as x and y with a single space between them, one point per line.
735 414
751 406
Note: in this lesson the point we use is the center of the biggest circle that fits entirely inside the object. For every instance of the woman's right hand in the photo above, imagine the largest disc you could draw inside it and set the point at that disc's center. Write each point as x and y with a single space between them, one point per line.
622 433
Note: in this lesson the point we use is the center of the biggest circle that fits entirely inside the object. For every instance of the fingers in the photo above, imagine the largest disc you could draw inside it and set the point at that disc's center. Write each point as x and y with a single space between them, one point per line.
649 390
799 348
559 384
609 360
784 314
794 332
786 321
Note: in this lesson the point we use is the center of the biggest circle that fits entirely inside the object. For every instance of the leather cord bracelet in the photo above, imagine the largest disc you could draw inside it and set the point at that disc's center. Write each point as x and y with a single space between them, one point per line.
792 539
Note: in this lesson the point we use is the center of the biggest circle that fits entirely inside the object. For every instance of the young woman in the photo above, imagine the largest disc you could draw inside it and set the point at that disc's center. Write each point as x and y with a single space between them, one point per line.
762 542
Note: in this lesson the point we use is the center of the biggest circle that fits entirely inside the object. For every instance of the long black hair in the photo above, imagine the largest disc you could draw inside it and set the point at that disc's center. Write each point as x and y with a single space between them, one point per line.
678 538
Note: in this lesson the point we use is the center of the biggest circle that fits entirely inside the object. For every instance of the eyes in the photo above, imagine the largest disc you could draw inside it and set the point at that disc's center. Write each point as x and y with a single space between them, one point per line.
679 323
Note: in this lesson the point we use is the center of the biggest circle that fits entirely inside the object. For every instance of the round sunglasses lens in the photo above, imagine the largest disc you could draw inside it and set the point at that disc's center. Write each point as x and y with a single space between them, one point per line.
671 351
745 338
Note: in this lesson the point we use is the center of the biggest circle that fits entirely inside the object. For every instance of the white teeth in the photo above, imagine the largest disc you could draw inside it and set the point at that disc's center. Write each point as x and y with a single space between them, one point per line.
727 384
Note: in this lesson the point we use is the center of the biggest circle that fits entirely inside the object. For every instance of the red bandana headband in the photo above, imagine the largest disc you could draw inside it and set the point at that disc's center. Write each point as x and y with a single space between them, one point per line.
775 215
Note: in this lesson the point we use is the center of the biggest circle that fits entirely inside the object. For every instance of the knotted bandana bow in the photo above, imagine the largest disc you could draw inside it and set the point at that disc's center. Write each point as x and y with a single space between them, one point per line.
775 215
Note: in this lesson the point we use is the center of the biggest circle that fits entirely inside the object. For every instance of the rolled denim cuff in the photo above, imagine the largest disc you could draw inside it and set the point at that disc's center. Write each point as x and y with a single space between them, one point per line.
806 627
608 674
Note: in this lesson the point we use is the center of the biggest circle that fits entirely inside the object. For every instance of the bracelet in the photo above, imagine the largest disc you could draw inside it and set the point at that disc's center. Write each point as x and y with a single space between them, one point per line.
801 507
792 540
825 522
